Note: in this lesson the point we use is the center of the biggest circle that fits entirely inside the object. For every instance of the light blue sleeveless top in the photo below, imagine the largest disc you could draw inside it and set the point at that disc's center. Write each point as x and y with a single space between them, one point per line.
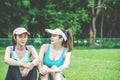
26 58
47 61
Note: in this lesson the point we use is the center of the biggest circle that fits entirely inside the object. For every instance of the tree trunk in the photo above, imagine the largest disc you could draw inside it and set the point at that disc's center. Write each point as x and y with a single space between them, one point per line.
94 29
95 13
90 35
102 20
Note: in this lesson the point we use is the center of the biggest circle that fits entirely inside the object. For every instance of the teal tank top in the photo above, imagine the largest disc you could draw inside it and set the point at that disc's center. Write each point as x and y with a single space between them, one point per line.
26 58
47 61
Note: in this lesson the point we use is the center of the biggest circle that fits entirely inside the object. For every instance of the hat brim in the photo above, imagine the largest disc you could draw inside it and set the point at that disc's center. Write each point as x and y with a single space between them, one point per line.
57 32
52 31
18 33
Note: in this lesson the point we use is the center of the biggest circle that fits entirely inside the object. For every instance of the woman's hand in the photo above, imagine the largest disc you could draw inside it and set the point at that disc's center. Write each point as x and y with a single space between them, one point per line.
44 70
26 65
31 65
53 68
24 72
27 68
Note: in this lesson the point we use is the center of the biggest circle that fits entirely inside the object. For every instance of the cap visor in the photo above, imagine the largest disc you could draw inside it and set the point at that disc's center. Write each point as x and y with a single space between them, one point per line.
51 31
23 32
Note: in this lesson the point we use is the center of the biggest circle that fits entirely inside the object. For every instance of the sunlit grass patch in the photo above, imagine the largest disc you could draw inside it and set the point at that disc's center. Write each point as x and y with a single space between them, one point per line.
92 64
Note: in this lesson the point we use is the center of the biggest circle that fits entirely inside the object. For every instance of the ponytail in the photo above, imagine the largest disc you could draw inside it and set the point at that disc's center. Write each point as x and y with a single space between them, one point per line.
69 42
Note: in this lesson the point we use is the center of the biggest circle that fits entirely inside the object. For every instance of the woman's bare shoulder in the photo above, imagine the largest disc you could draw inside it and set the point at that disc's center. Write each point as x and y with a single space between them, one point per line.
9 47
30 46
45 45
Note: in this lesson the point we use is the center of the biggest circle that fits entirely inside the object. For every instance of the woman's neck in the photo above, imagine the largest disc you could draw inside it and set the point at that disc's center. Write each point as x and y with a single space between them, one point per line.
57 47
20 47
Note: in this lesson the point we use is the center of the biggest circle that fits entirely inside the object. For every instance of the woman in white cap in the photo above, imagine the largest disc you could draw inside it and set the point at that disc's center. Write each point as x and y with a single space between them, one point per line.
55 57
18 57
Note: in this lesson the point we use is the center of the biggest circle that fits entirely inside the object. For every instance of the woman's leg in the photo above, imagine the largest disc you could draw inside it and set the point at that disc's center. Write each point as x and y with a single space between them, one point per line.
9 75
32 75
13 73
16 73
43 77
57 75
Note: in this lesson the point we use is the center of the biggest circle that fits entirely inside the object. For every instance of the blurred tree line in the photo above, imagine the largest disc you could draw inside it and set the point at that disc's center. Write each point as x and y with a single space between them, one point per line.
84 17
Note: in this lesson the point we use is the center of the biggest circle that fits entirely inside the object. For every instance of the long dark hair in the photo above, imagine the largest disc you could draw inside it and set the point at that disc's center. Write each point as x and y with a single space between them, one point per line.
69 42
13 41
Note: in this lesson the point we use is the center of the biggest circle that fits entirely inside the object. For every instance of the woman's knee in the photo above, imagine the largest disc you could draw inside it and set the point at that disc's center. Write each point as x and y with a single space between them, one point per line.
43 77
32 72
24 72
57 76
54 66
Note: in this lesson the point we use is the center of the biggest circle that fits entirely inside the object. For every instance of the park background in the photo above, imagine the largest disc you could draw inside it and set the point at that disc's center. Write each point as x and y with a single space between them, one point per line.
95 25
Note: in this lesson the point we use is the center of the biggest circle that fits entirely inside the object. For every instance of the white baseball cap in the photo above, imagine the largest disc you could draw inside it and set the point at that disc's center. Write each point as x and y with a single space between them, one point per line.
20 30
58 32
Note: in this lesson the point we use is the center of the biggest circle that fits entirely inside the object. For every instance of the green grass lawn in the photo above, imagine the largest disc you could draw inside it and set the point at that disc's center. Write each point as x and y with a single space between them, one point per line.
88 64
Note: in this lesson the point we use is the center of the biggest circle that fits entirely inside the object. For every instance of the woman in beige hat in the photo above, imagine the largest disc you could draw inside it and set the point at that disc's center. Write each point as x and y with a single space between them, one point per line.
18 57
55 57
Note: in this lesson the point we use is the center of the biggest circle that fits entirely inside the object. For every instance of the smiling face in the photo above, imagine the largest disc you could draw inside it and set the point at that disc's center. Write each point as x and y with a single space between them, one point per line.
55 39
21 39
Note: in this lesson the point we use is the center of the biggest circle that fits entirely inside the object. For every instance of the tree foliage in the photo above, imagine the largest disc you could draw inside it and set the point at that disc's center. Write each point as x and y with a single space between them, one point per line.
37 15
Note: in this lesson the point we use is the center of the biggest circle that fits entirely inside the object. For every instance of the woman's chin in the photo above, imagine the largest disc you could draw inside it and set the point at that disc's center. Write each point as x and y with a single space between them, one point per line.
22 44
52 42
